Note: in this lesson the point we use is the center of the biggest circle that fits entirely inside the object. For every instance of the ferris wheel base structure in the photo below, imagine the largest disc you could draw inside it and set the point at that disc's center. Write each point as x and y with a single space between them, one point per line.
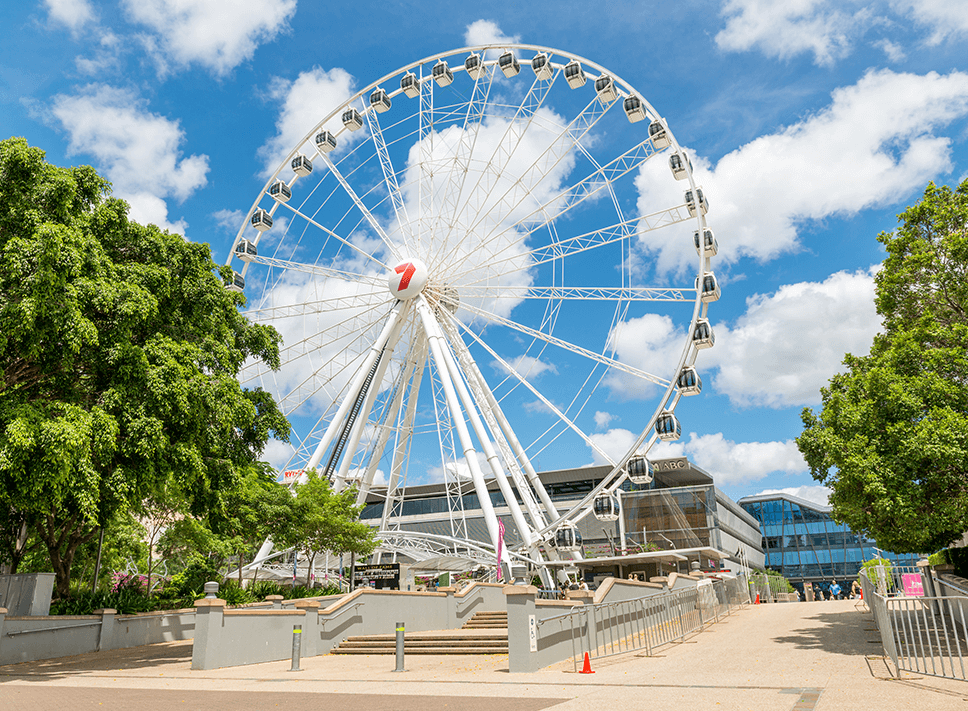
454 230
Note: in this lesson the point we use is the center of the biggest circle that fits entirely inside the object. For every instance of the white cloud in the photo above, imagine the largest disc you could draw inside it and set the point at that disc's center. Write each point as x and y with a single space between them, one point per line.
872 146
728 462
72 14
829 29
943 18
137 150
894 52
107 55
278 454
651 343
786 29
779 353
816 494
229 220
528 367
487 32
215 34
615 443
790 343
603 419
304 103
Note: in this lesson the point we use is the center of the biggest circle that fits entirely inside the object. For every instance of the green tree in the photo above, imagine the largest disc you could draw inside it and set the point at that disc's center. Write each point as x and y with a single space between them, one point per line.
323 520
249 514
119 348
891 439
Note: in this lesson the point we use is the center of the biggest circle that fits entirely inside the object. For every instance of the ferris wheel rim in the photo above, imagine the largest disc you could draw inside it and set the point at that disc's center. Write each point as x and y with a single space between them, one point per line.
671 396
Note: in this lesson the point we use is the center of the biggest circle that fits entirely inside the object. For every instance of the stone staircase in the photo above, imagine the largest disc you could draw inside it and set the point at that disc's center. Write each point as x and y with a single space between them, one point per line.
484 633
487 621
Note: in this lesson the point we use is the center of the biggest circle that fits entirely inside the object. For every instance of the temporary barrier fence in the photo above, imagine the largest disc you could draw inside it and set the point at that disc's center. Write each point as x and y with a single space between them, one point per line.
606 629
922 631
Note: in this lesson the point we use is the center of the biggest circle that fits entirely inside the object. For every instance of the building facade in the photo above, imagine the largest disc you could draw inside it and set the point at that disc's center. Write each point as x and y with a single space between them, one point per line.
806 545
681 512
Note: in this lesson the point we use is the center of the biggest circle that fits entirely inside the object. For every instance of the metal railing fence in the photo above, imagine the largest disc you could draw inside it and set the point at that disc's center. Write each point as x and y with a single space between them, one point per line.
922 633
605 629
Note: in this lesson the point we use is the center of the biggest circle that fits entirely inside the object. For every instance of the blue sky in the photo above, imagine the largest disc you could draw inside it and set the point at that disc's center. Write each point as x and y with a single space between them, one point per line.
810 124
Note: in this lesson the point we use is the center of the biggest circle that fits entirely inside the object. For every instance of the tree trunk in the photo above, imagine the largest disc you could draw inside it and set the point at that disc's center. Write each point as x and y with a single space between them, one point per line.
62 540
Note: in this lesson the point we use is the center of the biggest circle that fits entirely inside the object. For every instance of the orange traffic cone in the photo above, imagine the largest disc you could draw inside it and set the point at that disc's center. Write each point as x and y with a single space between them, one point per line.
587 669
757 599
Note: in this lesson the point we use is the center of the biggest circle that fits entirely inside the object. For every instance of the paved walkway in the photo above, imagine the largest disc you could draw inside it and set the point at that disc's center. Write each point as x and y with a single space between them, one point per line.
821 656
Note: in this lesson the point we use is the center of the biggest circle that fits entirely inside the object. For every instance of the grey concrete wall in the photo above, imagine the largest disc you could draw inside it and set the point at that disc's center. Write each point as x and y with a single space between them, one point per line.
261 633
152 628
27 639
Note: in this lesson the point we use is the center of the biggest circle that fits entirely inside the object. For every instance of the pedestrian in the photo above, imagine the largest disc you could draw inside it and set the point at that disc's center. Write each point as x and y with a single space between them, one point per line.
835 590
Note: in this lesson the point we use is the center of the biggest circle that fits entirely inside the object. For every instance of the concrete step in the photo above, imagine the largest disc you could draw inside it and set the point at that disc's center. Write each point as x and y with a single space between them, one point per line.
423 650
473 641
487 620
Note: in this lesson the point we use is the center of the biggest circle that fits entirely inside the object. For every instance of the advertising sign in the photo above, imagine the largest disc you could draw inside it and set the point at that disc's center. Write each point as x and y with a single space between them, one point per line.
384 576
913 585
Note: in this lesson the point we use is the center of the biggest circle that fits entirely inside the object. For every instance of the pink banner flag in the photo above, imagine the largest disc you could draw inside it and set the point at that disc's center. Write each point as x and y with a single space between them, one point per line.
500 548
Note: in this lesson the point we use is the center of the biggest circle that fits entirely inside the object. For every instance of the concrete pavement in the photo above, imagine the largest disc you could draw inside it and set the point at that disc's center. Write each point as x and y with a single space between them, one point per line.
819 656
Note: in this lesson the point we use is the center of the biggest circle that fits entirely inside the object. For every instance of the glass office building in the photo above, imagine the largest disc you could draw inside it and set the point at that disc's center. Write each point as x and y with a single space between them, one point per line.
805 544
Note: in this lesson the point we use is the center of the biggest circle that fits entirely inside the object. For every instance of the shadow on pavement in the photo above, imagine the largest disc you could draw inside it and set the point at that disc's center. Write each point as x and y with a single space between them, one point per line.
837 633
147 657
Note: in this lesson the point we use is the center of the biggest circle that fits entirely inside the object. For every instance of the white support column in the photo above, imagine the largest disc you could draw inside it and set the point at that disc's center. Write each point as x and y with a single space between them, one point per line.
437 345
527 534
404 434
357 432
384 435
354 390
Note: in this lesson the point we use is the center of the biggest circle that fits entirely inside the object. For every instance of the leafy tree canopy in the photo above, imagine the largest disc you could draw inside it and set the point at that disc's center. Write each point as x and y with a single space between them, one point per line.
323 520
119 348
891 438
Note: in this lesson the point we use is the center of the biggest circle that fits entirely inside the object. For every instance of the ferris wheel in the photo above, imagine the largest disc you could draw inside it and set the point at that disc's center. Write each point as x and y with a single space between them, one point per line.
458 258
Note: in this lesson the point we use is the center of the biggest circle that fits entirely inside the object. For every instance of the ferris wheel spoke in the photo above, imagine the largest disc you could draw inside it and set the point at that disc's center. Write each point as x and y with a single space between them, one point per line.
613 234
389 175
377 227
346 242
589 186
581 293
545 401
470 132
506 147
320 270
373 299
561 343
547 160
355 326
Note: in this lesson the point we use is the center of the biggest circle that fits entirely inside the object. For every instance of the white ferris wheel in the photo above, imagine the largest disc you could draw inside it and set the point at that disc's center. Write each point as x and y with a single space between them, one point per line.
451 257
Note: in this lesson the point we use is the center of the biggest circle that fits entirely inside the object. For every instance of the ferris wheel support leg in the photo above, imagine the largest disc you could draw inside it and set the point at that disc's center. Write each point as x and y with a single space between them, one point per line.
384 435
403 438
437 345
524 530
509 435
370 397
354 390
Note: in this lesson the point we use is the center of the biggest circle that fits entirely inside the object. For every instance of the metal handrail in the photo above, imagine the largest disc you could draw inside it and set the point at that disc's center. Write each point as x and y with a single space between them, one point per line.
92 623
340 612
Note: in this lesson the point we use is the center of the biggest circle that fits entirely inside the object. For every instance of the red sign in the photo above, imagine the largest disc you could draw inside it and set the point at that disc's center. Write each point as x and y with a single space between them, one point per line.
291 475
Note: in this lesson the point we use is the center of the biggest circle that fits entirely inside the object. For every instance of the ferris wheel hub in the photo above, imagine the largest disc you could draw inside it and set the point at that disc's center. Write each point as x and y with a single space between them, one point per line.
407 279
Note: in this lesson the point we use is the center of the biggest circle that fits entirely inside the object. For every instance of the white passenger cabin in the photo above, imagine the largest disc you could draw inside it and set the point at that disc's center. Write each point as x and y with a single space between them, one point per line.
442 74
509 64
301 165
575 75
